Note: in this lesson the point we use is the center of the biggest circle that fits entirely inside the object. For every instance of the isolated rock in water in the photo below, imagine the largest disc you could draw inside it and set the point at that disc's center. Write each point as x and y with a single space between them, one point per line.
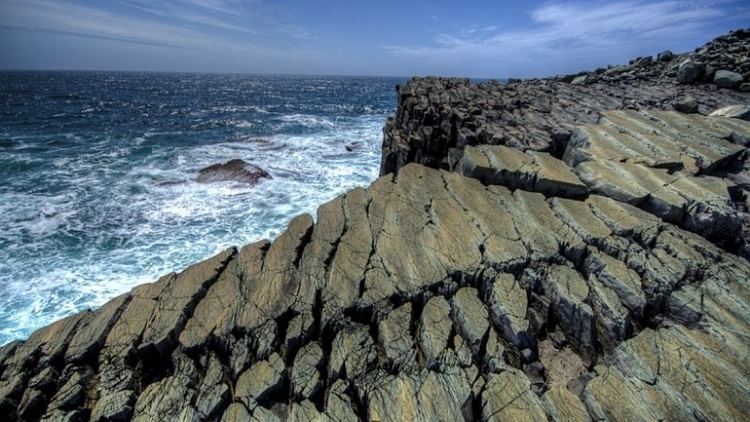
234 170
727 79
353 146
690 71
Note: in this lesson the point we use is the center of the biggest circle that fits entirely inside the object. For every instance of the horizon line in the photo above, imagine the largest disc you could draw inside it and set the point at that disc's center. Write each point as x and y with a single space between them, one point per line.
10 70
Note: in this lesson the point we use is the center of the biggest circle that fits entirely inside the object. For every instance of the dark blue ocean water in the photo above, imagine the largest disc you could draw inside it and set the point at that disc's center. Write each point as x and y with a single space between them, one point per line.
97 174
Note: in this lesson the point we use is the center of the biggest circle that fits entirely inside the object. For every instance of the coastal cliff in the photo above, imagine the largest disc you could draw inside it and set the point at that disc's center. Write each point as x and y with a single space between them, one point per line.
571 248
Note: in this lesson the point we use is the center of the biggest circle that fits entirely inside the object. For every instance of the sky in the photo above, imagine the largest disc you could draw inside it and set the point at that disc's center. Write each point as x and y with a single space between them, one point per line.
482 39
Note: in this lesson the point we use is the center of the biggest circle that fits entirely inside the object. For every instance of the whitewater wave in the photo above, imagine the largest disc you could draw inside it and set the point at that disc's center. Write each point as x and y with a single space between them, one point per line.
99 170
123 218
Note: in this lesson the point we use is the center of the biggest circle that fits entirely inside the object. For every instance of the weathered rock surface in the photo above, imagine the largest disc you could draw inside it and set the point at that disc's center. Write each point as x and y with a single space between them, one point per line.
727 79
495 304
515 169
663 163
437 117
734 111
233 171
595 281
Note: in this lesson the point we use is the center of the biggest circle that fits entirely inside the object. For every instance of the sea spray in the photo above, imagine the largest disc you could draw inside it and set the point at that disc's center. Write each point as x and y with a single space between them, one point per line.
98 170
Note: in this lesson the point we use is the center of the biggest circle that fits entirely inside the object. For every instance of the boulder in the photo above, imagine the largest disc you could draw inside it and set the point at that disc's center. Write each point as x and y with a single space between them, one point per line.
568 293
508 304
508 397
665 56
690 71
579 80
427 396
643 61
563 405
233 171
352 351
727 79
213 392
529 170
686 105
339 406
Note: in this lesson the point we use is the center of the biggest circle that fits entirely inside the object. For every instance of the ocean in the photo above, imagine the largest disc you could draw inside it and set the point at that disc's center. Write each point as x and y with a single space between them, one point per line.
98 189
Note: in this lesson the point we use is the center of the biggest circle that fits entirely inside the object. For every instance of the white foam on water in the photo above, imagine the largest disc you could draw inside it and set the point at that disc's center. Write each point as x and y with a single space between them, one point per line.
117 225
308 120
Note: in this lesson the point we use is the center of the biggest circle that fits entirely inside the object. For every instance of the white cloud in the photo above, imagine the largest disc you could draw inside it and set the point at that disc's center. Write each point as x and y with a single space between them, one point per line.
68 18
164 22
229 7
562 34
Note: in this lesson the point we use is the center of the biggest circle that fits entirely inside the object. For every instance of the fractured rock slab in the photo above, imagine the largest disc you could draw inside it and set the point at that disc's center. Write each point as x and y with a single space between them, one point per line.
659 162
515 169
501 303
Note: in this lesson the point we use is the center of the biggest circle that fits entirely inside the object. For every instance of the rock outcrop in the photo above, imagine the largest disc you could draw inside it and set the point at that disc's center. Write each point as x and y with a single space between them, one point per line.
437 117
233 171
581 265
455 300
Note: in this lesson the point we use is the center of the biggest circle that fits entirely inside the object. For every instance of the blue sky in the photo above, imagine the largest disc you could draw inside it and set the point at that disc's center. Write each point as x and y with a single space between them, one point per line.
376 37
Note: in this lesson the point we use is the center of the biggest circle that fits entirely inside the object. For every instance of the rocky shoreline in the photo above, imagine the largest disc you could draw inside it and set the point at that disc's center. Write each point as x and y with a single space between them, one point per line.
571 248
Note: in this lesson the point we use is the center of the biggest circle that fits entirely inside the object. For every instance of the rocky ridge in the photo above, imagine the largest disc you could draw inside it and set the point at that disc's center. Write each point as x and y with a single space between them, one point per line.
598 277
438 117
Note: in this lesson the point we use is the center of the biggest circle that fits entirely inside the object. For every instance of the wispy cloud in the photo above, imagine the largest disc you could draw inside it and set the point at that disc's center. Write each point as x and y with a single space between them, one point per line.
68 18
192 24
562 32
224 6
209 13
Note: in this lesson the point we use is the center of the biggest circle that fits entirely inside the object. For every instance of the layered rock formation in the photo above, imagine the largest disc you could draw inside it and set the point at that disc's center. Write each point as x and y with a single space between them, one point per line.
437 118
585 270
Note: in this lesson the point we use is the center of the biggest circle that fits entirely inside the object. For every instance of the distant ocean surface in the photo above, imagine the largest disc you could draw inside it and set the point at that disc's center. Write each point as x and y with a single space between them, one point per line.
97 174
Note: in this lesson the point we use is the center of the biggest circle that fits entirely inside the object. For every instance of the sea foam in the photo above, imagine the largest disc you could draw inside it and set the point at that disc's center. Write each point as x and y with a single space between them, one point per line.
115 202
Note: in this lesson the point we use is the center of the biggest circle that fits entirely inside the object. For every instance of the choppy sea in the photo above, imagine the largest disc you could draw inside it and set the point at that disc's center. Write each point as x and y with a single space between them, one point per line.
97 174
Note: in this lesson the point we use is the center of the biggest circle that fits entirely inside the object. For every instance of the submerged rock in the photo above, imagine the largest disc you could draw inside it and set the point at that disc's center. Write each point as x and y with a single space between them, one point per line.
233 171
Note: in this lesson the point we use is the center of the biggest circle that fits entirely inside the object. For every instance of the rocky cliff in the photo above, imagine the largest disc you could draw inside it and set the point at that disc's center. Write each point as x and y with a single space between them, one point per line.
437 117
558 249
